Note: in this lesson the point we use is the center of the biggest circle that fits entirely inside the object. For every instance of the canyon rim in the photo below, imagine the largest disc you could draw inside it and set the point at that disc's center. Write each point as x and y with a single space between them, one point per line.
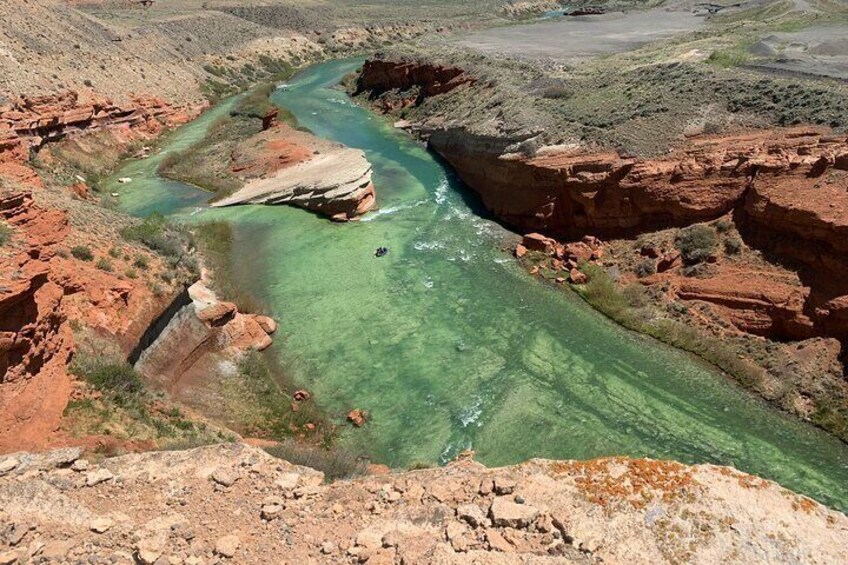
423 282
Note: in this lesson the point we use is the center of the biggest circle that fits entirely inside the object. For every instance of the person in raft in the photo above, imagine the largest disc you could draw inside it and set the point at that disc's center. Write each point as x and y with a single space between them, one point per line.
381 251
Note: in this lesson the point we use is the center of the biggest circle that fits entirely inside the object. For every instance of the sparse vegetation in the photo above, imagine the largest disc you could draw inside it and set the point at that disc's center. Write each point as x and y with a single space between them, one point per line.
646 268
5 233
104 265
158 235
696 243
82 252
215 240
728 57
638 315
732 245
336 463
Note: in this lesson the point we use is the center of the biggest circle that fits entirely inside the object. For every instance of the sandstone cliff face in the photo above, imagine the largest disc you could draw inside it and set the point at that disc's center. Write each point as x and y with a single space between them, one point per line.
569 192
29 122
42 290
35 342
237 503
411 81
203 335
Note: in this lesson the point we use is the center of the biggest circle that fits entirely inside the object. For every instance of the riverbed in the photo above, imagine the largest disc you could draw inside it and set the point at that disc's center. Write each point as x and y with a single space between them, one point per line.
449 344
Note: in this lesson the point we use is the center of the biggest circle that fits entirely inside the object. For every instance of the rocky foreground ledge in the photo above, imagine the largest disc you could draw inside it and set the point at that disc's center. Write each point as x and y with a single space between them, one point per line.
235 503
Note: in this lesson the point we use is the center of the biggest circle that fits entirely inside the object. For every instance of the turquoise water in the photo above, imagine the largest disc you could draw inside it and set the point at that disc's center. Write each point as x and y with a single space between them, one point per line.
450 345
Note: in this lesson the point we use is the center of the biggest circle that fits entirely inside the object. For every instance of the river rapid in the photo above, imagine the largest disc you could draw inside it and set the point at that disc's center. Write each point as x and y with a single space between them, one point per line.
449 344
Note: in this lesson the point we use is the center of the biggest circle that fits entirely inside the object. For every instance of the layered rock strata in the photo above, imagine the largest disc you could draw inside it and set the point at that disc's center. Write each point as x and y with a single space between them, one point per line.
203 334
43 288
235 503
283 166
28 122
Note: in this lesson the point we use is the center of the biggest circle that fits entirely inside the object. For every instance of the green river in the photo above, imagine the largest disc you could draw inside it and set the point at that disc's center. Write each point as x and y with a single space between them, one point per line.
450 344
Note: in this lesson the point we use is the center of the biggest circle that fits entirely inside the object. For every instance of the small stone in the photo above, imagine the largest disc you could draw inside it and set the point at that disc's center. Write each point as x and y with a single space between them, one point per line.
80 465
224 477
16 533
519 499
271 511
504 485
497 542
390 539
506 513
520 251
328 547
485 487
7 466
472 514
99 476
227 546
287 481
57 550
357 417
149 550
101 525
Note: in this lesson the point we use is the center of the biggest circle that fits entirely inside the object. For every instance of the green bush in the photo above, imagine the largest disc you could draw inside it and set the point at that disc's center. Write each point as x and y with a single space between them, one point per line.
696 243
602 293
104 265
335 463
141 262
732 245
82 253
645 268
5 233
728 58
256 103
155 233
117 381
723 225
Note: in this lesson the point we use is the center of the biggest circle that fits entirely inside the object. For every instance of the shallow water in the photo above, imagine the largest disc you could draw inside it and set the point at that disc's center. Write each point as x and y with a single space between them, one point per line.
450 345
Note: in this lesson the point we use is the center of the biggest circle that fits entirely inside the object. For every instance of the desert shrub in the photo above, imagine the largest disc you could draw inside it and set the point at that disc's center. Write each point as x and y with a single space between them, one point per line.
602 293
131 274
114 252
712 128
255 104
696 243
5 234
104 265
732 245
636 295
335 463
155 233
723 225
82 253
728 58
141 262
645 268
116 380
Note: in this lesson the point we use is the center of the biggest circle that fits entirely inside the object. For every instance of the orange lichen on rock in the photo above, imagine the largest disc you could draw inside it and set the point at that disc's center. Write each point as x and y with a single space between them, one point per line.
610 481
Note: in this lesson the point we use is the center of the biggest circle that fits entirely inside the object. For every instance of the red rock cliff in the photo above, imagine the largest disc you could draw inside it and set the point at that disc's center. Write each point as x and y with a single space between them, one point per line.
415 81
29 122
